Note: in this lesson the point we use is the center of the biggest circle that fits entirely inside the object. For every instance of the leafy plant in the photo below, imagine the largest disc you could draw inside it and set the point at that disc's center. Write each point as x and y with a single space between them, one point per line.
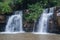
34 12
18 1
4 8
58 3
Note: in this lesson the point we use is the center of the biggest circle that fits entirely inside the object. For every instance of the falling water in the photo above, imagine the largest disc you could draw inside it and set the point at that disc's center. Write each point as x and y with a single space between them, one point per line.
42 26
14 23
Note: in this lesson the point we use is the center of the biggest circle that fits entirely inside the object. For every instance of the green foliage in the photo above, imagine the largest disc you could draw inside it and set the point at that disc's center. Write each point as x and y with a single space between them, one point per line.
14 1
4 8
34 12
49 3
34 7
1 0
58 3
18 1
5 5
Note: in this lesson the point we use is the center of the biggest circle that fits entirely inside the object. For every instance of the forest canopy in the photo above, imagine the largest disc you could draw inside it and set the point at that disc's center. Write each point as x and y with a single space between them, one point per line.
35 7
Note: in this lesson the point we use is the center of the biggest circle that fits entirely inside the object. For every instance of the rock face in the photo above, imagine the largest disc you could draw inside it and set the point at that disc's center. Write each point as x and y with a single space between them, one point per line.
2 19
2 22
28 26
57 15
57 12
56 20
50 29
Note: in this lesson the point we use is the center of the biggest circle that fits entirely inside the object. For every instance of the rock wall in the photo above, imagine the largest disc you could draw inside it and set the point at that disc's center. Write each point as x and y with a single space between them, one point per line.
56 20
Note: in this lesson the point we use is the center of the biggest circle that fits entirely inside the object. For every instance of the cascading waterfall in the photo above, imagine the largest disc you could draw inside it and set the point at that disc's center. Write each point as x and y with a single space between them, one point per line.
42 25
14 23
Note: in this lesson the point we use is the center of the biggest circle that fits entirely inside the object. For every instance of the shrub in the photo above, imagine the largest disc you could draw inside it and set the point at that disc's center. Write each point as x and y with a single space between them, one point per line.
34 12
4 8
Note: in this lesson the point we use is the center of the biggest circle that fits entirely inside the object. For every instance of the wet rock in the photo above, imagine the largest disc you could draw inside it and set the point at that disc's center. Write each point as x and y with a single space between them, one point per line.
2 27
50 29
56 20
57 15
2 19
28 26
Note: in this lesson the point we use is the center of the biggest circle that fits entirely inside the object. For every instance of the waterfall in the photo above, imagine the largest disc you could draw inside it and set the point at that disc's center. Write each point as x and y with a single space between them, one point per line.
14 23
42 25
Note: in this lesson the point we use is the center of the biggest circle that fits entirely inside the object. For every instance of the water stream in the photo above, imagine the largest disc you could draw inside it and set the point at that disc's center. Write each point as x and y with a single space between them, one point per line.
14 23
42 25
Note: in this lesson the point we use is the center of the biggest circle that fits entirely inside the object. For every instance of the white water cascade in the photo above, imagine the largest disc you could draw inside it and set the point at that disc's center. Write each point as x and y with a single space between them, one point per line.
14 23
42 25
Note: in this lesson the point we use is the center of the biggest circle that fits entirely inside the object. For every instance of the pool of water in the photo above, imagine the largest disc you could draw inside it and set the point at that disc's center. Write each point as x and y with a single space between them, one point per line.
29 36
